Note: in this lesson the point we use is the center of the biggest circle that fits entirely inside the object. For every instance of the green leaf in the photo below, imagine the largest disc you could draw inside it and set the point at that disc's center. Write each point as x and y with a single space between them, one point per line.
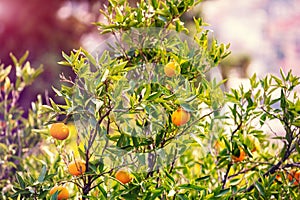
153 96
170 97
21 193
90 58
105 75
235 181
227 144
23 58
57 92
260 188
81 153
182 196
191 186
282 74
156 193
4 72
283 103
123 141
223 192
119 67
191 98
263 119
297 148
49 177
277 80
159 138
67 58
20 181
42 174
54 196
46 109
154 4
14 59
170 177
54 106
102 190
203 178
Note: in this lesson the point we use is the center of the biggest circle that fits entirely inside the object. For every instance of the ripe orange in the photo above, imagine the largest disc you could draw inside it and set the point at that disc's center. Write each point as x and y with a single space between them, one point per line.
241 157
180 117
297 177
77 167
294 175
170 69
63 192
123 176
59 131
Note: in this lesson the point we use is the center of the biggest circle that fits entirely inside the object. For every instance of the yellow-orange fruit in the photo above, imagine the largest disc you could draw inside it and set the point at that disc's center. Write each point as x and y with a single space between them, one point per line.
297 177
77 167
294 175
59 131
180 117
170 69
63 192
123 176
240 158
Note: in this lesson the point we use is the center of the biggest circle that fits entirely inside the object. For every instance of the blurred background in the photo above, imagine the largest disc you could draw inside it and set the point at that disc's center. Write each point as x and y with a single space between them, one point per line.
263 35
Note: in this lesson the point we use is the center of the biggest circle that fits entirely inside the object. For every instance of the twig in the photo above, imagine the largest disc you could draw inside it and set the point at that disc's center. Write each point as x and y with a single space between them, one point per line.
226 175
174 159
292 165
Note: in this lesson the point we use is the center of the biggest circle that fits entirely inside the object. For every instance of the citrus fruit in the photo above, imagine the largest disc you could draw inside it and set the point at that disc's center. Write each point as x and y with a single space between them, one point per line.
294 175
123 176
170 69
77 167
180 117
63 192
59 131
297 177
239 158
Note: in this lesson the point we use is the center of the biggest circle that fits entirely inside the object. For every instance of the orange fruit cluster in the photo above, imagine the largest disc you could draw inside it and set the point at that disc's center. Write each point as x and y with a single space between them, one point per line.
59 131
180 117
63 192
123 176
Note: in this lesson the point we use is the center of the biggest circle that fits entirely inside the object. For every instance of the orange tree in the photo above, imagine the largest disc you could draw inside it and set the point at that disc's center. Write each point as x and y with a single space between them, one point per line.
141 130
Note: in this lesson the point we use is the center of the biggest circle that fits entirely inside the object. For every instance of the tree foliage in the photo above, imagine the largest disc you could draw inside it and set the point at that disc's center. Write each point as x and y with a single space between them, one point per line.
120 113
